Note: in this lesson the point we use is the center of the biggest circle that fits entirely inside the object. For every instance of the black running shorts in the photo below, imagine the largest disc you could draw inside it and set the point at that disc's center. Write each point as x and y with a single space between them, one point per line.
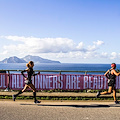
111 82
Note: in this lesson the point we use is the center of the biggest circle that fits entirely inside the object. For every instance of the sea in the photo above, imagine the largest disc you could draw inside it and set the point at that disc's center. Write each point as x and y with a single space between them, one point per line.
60 67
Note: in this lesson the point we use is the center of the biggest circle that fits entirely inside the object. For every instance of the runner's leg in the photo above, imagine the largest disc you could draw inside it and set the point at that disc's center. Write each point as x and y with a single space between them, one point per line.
114 94
34 93
107 92
20 92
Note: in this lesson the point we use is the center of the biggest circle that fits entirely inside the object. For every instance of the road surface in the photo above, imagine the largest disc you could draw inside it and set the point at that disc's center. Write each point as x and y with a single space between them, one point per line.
53 110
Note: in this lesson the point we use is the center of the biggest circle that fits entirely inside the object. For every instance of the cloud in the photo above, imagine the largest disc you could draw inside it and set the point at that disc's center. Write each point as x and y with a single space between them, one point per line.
113 55
4 53
95 45
79 46
52 47
42 45
98 42
104 55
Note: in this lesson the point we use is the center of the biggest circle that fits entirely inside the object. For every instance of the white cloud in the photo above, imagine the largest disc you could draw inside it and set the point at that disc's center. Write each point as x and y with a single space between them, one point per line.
42 45
49 45
92 48
15 38
57 48
80 46
113 55
104 55
95 45
98 42
4 53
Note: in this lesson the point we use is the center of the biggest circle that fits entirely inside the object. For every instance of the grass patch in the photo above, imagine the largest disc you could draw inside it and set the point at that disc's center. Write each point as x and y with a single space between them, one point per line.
59 98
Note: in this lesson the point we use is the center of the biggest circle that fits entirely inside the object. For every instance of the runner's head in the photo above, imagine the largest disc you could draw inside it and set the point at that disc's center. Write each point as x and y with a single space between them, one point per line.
113 65
30 64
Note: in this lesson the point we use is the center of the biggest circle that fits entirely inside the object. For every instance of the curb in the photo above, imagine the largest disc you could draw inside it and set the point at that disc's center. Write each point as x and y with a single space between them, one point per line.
57 94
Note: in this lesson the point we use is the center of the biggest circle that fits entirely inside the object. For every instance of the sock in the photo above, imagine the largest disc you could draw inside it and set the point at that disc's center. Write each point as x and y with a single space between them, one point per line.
34 96
20 92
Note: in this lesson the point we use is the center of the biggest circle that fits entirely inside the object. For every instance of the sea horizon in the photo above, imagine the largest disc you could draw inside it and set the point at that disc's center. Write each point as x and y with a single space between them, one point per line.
59 66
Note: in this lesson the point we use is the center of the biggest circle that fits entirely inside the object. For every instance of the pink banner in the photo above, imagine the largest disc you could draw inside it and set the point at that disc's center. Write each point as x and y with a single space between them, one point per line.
3 80
64 82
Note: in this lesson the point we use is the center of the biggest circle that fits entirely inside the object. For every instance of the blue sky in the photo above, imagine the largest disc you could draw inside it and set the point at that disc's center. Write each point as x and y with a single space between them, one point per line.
71 31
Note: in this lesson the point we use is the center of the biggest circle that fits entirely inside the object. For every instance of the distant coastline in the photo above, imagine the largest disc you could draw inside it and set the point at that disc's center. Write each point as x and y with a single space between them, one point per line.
27 58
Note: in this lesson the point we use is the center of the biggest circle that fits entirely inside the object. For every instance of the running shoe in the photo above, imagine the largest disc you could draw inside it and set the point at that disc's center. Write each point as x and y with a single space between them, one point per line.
98 94
14 97
116 102
37 101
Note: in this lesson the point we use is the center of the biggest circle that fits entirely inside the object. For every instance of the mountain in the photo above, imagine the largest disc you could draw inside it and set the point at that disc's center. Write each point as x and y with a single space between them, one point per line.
26 59
38 59
13 59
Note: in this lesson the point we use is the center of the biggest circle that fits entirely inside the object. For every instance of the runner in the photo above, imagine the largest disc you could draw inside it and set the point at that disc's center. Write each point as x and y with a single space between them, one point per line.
111 75
28 81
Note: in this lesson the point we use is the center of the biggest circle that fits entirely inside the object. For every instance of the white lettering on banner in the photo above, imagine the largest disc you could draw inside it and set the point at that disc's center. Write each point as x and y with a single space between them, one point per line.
21 80
85 82
72 82
18 81
90 82
118 82
36 81
39 85
100 82
4 81
33 79
55 82
1 85
68 82
13 81
50 81
105 81
78 82
63 81
95 82
60 82
45 82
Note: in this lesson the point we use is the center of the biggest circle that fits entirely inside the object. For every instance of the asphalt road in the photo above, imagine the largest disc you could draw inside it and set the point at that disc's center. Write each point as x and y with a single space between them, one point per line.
50 110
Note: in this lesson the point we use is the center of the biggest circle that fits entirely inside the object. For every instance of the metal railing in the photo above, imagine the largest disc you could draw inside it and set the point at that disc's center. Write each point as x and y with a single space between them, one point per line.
56 71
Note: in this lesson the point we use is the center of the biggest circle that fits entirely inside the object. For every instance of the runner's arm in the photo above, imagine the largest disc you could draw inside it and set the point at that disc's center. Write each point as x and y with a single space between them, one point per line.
106 73
22 72
36 73
117 74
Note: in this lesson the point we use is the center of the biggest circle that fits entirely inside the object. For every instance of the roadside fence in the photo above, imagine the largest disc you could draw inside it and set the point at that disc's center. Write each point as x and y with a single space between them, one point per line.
57 79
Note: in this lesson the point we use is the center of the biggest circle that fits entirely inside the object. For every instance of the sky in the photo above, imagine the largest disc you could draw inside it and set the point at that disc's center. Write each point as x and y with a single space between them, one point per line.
69 31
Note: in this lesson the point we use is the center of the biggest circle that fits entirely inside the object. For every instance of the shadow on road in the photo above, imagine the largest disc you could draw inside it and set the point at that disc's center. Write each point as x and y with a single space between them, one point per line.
77 106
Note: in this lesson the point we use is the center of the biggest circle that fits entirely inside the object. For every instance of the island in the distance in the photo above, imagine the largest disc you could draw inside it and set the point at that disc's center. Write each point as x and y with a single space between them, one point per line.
26 59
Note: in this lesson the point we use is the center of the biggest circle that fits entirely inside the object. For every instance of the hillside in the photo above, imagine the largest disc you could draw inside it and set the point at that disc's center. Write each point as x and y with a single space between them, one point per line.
26 59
